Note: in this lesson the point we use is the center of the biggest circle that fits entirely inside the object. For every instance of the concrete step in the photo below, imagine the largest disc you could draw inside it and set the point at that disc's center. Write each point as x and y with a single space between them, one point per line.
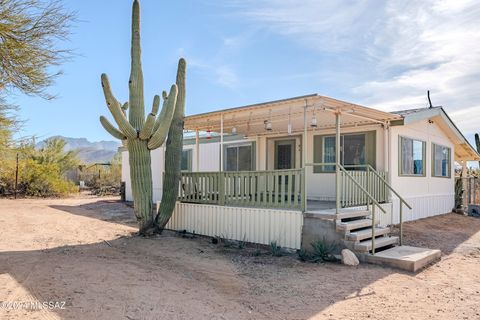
366 234
354 224
353 214
407 258
366 245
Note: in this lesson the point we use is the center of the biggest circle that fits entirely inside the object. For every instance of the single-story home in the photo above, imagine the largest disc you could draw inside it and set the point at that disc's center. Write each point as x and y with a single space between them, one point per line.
286 170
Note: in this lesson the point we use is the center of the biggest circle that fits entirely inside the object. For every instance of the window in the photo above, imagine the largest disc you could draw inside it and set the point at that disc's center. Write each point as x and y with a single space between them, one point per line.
356 149
186 160
239 158
440 161
412 157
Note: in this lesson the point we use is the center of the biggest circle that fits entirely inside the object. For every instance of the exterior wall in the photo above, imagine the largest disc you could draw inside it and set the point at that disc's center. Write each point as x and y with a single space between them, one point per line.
126 176
209 160
427 195
321 186
244 224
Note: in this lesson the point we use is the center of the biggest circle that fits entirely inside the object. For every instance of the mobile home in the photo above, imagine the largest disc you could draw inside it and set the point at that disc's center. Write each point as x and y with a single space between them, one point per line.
279 170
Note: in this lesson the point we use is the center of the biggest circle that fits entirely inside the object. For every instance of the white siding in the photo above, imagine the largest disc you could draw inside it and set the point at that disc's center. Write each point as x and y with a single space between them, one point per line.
254 225
158 163
427 195
126 176
321 186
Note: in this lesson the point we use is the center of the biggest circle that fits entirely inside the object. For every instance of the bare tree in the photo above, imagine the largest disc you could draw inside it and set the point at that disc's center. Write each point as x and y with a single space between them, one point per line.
30 31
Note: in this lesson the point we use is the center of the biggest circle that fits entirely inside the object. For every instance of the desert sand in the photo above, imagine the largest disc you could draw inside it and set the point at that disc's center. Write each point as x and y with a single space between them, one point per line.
82 253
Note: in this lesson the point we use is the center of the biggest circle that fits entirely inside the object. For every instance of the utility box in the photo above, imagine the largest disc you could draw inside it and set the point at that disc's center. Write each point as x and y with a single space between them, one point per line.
474 210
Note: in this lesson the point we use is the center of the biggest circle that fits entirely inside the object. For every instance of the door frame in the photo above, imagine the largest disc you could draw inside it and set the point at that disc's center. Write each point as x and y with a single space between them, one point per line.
277 143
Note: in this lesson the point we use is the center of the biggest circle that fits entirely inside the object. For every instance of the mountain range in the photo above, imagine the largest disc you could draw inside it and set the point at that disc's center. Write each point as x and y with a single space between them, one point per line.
88 152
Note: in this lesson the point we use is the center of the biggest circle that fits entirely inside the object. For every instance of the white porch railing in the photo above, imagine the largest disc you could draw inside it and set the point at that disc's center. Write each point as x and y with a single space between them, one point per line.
352 196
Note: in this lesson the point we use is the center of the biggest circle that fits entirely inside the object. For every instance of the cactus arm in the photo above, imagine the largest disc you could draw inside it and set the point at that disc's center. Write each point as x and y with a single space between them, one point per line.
173 153
136 114
165 120
146 131
156 104
147 128
164 105
111 129
115 109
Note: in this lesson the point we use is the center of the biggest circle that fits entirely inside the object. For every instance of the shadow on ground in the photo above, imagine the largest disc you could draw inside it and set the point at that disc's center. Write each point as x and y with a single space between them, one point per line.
169 277
105 210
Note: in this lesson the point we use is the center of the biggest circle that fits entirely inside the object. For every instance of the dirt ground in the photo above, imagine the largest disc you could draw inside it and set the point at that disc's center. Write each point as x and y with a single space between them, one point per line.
81 256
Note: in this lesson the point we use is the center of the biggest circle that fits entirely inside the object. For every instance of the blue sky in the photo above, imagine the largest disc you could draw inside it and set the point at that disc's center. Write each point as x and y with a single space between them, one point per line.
381 54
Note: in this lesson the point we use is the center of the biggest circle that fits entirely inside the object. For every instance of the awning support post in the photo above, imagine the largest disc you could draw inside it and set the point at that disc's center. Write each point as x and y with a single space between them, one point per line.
337 162
197 150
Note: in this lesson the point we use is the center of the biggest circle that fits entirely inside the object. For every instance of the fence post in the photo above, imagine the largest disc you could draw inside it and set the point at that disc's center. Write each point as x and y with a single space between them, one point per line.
16 179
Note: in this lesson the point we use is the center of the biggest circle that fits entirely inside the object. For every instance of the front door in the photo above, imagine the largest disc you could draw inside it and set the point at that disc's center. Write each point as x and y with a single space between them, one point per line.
284 154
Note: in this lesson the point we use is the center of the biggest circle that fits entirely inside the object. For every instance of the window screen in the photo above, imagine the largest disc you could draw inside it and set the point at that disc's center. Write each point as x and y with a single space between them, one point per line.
412 157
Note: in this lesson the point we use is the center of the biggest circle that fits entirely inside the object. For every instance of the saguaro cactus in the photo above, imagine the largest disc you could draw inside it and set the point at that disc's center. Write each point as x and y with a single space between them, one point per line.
141 134
173 154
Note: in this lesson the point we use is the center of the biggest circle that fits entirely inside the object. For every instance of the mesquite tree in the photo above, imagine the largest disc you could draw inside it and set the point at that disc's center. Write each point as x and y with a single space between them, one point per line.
141 135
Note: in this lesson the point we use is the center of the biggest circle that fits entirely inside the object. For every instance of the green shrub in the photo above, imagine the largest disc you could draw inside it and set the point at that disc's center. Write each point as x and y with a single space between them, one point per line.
43 180
275 249
322 251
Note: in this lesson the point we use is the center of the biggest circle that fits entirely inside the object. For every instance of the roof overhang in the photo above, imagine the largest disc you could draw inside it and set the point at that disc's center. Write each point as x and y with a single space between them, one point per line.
250 120
463 149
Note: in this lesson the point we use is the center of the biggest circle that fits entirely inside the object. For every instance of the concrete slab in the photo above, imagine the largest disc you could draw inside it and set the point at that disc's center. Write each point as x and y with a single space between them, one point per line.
405 257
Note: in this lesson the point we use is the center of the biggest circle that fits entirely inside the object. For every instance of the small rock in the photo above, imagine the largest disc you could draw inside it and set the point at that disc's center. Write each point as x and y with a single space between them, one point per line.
349 258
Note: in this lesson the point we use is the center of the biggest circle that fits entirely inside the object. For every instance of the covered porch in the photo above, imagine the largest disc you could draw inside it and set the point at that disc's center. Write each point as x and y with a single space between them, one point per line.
306 153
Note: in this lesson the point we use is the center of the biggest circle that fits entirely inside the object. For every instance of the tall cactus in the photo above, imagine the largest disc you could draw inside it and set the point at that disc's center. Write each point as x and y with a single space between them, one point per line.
173 154
477 142
141 134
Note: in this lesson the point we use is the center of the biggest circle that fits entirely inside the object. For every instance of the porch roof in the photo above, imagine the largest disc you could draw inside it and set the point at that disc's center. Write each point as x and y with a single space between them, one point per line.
250 120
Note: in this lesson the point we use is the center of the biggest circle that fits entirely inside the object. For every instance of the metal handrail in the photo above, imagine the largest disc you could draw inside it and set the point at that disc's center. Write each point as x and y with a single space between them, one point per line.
374 201
399 197
369 168
389 186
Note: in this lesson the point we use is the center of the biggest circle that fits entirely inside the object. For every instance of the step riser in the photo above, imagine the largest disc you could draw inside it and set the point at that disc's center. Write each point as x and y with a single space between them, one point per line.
353 214
367 235
379 243
363 223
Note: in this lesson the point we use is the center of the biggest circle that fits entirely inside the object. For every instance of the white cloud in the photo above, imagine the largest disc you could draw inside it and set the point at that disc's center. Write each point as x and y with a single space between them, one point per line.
226 77
223 74
411 46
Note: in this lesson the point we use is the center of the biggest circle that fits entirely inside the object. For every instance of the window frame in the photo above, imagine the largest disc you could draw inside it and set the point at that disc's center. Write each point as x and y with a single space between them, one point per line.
250 144
368 135
400 157
189 159
449 164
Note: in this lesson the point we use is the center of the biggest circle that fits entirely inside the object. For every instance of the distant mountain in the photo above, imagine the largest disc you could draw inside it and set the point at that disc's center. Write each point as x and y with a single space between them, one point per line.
89 152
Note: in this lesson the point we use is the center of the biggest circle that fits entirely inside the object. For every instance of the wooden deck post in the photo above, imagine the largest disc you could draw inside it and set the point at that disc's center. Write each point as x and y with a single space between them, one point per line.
197 150
304 160
221 142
